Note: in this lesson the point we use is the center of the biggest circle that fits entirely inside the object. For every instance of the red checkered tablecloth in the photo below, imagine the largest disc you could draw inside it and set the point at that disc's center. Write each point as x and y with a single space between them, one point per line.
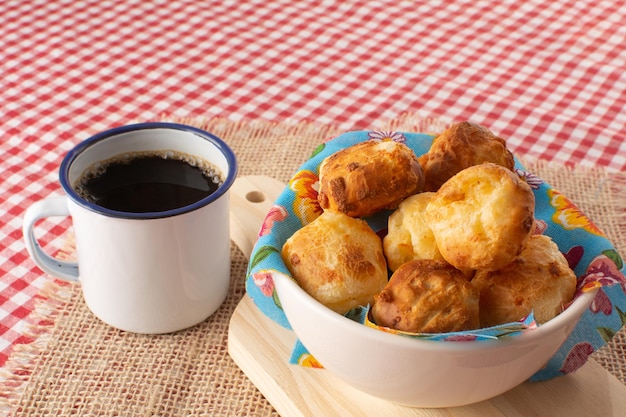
548 76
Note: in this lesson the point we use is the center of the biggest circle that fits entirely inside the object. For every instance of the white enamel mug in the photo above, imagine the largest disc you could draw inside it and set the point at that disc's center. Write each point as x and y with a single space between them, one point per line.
149 273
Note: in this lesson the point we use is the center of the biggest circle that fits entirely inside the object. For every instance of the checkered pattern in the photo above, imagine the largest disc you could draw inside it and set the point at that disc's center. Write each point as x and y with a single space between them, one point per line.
548 76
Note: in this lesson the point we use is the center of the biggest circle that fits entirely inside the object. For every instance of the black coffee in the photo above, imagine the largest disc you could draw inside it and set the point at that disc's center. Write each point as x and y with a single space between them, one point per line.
149 182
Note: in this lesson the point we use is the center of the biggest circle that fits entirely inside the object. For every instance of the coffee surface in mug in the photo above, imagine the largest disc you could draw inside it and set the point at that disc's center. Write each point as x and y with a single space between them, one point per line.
153 181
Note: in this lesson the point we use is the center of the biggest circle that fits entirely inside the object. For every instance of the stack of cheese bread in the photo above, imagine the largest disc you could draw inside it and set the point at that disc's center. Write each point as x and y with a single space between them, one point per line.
460 245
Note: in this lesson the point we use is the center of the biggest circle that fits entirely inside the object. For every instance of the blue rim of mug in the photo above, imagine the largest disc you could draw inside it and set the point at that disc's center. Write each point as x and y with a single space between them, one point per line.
78 149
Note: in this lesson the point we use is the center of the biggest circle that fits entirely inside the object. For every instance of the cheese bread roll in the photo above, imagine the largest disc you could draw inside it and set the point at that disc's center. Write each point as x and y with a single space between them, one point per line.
482 217
368 177
461 146
338 260
409 236
427 296
539 280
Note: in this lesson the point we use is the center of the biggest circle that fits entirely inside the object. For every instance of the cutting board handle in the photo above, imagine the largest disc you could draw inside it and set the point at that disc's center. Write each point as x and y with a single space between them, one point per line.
251 198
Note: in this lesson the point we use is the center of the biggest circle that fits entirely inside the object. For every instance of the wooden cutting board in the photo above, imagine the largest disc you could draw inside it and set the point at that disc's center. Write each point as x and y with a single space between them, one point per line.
261 348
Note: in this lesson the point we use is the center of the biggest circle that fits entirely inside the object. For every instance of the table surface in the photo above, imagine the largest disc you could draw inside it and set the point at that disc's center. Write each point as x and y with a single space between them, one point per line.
547 76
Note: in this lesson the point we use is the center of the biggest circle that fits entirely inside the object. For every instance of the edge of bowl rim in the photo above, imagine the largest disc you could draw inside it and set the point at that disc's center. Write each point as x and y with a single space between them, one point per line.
576 308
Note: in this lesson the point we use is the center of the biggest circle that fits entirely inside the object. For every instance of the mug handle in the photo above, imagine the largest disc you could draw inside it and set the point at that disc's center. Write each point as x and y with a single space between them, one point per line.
49 207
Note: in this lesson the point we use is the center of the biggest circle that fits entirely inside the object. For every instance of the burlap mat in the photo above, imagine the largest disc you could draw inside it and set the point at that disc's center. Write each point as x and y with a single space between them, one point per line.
80 366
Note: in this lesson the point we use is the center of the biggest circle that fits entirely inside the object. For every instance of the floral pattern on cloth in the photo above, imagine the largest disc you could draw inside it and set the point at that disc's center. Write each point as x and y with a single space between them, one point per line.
590 254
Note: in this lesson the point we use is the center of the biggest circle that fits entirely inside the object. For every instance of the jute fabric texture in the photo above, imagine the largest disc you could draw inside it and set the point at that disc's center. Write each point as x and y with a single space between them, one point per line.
81 366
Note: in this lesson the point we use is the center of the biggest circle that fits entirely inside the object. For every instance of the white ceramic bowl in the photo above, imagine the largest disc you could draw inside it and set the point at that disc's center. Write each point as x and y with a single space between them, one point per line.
418 372
421 373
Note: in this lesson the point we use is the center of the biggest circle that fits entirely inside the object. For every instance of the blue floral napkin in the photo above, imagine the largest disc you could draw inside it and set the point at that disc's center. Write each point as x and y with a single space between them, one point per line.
592 257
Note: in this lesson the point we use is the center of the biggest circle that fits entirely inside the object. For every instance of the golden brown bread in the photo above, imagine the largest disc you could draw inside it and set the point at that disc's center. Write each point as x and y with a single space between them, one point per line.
460 146
477 224
368 177
540 279
338 260
409 236
427 296
482 217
